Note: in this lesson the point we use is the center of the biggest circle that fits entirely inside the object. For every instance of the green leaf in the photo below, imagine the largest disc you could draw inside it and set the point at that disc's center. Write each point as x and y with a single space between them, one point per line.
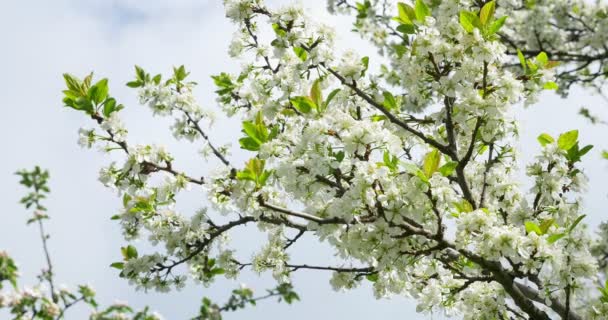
365 62
421 10
118 265
414 170
180 73
83 104
496 25
406 28
554 237
431 162
248 143
406 13
99 91
303 104
605 154
157 78
254 171
109 106
533 227
300 53
447 169
584 150
251 130
522 59
389 101
331 97
389 161
487 12
73 83
576 222
545 225
315 93
545 139
469 21
542 59
372 277
135 84
140 74
550 85
129 252
567 140
463 206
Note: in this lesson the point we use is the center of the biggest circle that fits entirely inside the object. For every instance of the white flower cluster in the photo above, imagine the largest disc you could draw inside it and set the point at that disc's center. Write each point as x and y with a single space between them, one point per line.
166 99
410 172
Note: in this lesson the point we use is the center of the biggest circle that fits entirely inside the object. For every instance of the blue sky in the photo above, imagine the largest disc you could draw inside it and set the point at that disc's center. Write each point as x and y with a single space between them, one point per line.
42 39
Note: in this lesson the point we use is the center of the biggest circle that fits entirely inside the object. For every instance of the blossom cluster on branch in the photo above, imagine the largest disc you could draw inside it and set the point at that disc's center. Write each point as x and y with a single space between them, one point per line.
408 172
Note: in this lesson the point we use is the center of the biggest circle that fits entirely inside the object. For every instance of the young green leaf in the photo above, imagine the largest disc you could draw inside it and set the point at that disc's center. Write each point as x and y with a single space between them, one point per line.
365 62
576 222
522 59
447 169
406 28
532 227
129 252
406 13
487 12
300 53
98 92
248 143
542 59
550 85
315 93
330 97
109 106
567 140
463 206
303 104
469 21
431 162
554 237
496 25
421 10
389 101
545 139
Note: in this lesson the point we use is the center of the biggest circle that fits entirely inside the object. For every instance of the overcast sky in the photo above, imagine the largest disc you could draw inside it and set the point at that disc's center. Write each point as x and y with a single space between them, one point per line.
42 39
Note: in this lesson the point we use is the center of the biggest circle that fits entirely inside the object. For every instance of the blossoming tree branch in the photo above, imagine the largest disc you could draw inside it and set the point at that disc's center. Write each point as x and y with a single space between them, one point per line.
407 172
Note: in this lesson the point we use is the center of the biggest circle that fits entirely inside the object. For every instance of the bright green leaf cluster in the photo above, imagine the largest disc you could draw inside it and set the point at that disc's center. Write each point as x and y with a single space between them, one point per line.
390 103
257 133
408 16
129 252
91 99
531 68
539 229
553 238
8 270
306 104
363 8
463 206
37 180
254 171
604 292
568 142
391 162
484 20
431 162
